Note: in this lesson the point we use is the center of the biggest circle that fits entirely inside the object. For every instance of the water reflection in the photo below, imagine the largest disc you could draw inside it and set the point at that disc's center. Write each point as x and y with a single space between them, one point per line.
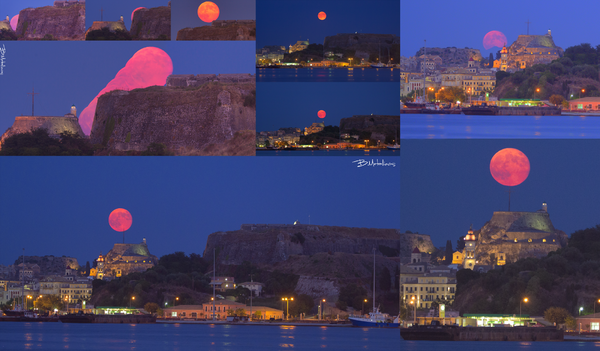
498 127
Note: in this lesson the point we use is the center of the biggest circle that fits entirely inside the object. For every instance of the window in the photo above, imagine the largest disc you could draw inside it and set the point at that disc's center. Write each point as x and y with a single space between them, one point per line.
173 314
595 326
182 314
194 315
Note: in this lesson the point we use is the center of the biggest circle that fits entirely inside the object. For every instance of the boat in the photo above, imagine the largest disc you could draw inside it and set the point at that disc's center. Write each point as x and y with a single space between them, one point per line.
78 317
376 319
435 331
378 65
393 147
484 109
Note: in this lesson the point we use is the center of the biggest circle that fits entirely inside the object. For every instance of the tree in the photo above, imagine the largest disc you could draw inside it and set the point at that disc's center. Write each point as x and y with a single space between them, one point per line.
151 307
570 323
556 99
491 59
556 315
460 243
87 267
50 303
449 252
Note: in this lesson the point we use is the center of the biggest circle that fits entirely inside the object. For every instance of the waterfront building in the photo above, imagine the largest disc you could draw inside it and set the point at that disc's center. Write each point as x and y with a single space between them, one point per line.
586 103
589 323
299 46
429 288
221 308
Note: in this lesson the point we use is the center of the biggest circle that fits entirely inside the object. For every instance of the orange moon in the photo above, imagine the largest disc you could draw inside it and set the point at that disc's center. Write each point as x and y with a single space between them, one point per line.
120 219
322 15
136 10
509 167
321 114
208 11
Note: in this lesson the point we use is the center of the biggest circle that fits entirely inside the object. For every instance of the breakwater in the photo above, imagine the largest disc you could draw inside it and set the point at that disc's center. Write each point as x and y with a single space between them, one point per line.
453 333
529 111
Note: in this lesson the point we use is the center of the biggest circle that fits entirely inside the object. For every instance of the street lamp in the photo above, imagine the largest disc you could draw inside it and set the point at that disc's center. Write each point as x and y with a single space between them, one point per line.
414 303
363 307
537 90
288 306
28 297
175 302
321 309
582 91
595 305
132 298
580 310
67 303
524 300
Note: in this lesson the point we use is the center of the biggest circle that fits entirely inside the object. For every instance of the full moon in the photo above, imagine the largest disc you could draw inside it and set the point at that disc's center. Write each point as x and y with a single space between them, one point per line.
321 114
509 167
322 15
136 10
494 38
120 219
14 21
208 11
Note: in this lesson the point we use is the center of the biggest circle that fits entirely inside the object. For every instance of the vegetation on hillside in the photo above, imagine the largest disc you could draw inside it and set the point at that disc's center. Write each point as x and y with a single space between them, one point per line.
568 278
106 34
567 76
39 143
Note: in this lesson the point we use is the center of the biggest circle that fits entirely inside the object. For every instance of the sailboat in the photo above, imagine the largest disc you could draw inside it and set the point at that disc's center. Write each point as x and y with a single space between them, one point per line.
379 64
396 146
376 319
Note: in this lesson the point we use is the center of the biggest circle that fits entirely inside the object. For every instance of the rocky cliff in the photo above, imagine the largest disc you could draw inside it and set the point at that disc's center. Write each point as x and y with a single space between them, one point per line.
272 243
54 125
387 126
518 235
185 119
51 264
453 56
63 23
408 242
238 31
152 24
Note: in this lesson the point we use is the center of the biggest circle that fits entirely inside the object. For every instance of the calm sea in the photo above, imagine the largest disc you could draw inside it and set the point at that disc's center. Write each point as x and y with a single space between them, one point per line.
497 346
59 336
414 126
358 153
327 75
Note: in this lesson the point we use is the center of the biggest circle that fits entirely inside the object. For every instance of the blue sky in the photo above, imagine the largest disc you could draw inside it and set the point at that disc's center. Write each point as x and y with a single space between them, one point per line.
446 184
63 81
285 22
464 24
60 206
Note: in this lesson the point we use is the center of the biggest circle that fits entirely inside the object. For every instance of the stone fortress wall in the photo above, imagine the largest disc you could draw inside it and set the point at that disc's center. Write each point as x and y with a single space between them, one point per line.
68 3
225 23
190 80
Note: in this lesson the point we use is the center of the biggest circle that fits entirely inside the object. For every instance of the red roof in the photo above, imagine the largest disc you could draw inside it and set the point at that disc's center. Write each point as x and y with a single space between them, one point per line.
416 250
471 59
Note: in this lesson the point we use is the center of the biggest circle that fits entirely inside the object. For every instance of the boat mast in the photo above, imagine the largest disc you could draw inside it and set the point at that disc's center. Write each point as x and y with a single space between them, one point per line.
23 281
373 280
424 70
214 277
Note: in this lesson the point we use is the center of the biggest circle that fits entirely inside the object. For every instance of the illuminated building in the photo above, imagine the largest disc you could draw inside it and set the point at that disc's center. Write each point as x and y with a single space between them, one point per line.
470 244
223 283
221 307
299 46
314 128
430 287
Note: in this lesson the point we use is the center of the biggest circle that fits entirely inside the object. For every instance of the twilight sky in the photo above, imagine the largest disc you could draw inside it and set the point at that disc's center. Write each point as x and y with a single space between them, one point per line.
285 22
281 105
446 185
114 9
60 206
63 81
447 23
184 13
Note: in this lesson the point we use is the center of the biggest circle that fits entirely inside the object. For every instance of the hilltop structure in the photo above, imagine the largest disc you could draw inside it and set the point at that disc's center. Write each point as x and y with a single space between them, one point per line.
54 124
113 26
510 236
123 259
529 50
63 21
221 30
152 24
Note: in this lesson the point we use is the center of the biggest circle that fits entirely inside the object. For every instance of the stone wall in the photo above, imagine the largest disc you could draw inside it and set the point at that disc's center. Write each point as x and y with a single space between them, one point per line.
453 55
151 24
529 111
225 23
181 119
409 241
269 244
190 80
363 42
54 125
63 23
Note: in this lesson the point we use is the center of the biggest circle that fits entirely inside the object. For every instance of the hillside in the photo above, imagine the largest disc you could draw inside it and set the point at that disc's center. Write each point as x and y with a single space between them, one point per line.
50 264
231 32
568 278
453 56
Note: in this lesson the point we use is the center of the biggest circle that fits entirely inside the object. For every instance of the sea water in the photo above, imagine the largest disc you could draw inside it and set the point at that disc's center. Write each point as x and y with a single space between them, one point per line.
422 126
366 74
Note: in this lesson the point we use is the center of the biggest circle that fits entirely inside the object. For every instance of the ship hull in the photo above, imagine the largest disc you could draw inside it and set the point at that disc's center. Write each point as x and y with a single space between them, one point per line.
370 324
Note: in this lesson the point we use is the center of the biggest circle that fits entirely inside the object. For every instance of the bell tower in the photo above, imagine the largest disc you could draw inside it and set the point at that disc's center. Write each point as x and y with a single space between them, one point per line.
470 244
100 266
504 58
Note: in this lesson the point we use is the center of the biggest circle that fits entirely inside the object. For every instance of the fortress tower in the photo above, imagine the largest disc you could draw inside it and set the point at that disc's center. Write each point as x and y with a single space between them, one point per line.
470 244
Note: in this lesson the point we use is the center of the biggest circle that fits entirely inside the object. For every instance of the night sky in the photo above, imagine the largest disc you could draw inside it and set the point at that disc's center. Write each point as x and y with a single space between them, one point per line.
446 185
114 9
285 22
281 105
60 206
447 23
184 13
63 81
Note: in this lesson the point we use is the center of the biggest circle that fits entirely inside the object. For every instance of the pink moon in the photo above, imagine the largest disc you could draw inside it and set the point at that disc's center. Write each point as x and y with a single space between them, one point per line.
136 10
494 38
120 219
510 167
321 114
14 21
